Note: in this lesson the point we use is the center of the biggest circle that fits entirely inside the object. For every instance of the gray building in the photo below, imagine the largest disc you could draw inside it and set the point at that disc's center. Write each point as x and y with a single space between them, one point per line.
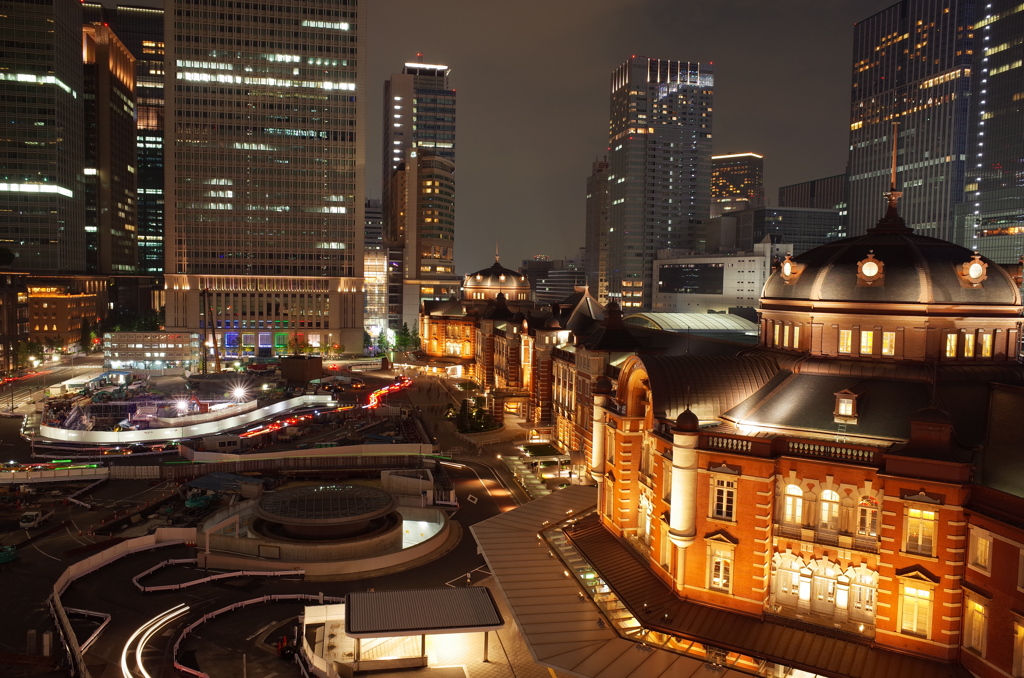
993 215
659 172
418 189
596 230
265 194
42 206
911 64
828 193
801 228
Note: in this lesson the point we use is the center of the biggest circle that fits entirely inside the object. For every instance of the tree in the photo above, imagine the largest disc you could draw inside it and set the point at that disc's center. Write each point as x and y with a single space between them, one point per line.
7 257
462 420
85 340
28 349
403 339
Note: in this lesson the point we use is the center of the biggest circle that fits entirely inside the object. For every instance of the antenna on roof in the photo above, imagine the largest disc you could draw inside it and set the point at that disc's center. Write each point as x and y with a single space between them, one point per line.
496 257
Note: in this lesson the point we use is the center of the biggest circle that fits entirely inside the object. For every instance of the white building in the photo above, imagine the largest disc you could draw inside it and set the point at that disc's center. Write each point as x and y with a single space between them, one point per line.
702 283
151 350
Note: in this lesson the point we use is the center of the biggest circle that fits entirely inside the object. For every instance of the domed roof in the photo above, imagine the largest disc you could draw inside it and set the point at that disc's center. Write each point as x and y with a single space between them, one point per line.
892 264
687 422
497 275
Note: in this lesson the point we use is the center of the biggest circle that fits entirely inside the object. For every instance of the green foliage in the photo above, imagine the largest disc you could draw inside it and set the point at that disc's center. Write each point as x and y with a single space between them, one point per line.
26 349
6 256
403 338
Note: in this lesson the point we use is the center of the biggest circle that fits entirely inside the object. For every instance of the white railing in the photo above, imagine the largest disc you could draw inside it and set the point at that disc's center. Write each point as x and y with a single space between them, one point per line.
57 475
204 580
96 632
321 599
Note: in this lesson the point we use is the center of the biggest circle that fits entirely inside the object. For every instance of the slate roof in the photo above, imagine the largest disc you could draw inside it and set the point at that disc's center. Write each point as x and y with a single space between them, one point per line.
691 322
713 384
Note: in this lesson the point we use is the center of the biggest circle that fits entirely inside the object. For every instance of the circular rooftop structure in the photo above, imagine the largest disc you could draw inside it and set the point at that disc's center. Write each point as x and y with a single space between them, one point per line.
325 511
895 266
488 282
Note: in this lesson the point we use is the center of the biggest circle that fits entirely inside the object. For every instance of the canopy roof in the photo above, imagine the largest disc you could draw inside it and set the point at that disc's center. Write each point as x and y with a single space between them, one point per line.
383 614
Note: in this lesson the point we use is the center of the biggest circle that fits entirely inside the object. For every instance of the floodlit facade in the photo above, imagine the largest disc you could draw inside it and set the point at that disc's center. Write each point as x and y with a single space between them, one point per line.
110 180
659 168
840 500
912 65
264 202
152 350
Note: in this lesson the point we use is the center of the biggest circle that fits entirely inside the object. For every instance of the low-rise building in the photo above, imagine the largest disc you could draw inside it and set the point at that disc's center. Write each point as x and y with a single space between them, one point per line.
152 350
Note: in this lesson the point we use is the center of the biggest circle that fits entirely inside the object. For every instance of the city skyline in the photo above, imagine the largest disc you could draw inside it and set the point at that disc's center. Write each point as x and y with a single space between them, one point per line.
802 128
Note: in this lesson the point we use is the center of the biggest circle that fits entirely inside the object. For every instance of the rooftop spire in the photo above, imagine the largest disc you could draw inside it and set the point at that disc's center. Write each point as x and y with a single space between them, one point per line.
892 222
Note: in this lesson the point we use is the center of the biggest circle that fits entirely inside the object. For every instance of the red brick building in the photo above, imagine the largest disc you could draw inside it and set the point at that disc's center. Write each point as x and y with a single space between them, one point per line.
857 475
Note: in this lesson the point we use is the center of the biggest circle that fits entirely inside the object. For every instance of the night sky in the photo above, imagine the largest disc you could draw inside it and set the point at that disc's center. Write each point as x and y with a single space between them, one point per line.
533 91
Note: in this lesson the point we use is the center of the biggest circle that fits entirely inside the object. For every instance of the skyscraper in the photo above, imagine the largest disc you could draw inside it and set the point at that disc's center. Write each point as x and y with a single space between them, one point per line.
418 189
141 29
912 66
737 182
828 193
42 208
264 179
596 230
659 158
994 215
110 165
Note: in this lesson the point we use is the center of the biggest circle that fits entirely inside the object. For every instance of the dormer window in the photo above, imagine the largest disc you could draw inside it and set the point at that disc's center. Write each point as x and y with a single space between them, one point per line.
870 271
846 409
973 272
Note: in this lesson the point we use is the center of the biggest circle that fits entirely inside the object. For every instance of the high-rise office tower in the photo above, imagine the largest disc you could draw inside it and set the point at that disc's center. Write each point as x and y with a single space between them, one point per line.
828 193
141 29
42 207
110 163
418 189
737 182
596 230
993 217
912 66
264 173
659 158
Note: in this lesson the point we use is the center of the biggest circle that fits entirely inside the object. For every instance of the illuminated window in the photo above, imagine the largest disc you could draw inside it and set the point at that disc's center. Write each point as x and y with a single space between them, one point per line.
845 341
867 342
986 345
979 554
917 610
796 336
975 616
969 345
829 510
785 336
920 531
775 338
720 558
888 343
951 345
845 407
863 591
867 517
793 507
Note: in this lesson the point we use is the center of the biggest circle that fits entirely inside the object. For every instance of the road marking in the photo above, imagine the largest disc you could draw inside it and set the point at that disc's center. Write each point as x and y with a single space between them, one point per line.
261 630
44 553
471 499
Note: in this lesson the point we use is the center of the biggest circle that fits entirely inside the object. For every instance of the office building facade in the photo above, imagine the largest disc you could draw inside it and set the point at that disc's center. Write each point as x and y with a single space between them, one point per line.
596 230
993 219
737 182
264 178
42 206
375 272
418 189
912 65
659 172
111 227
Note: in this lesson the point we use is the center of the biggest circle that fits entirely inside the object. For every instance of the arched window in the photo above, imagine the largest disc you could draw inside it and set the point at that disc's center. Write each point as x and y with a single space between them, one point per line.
829 510
793 508
867 517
